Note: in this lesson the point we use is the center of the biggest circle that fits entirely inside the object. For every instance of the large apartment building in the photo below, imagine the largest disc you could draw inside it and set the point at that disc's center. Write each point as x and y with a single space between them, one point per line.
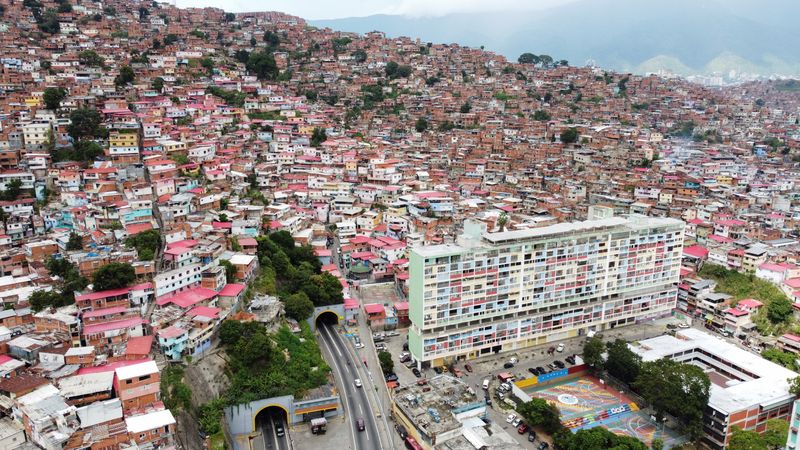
496 292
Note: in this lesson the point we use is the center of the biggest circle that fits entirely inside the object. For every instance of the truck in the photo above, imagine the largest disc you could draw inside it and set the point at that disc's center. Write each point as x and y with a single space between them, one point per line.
319 425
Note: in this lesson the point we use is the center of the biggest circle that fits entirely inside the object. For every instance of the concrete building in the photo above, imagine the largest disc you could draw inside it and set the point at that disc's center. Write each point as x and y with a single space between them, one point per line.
746 390
496 292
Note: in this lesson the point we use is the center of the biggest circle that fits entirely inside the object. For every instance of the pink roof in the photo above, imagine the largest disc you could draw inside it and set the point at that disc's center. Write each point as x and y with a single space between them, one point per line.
188 298
373 308
698 251
402 276
349 303
360 239
231 290
5 358
792 283
104 312
750 303
136 228
115 325
111 367
171 332
720 239
791 337
773 267
102 294
205 311
248 241
139 345
322 252
222 225
177 250
735 312
401 306
184 243
731 223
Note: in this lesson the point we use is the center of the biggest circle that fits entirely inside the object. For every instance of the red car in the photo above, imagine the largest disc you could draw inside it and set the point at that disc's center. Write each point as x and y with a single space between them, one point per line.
522 428
468 367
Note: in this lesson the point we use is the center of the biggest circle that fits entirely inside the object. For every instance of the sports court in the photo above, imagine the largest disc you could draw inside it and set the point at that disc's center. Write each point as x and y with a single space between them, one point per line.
585 402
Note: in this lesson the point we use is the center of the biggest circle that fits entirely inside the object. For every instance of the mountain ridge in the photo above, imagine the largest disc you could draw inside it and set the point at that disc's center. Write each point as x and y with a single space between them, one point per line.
702 36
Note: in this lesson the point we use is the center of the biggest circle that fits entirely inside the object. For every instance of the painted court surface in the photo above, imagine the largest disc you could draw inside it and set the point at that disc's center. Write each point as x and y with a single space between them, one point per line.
586 398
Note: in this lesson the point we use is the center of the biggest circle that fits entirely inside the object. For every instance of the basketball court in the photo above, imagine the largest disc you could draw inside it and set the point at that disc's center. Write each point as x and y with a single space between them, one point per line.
586 402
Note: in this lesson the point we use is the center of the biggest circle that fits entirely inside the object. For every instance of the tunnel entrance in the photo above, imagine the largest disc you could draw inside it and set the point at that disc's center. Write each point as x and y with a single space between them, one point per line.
270 417
327 318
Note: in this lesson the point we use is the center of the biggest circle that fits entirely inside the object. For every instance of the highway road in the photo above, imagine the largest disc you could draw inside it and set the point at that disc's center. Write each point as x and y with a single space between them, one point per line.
268 423
346 368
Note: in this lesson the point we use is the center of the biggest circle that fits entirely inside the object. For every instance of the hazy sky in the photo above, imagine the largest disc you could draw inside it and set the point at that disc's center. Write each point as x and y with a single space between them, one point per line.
331 9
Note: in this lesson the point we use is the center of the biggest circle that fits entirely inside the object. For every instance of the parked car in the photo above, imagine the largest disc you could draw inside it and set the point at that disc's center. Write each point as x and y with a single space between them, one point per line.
359 345
531 436
544 446
558 364
468 367
508 365
380 347
405 346
513 360
416 372
570 359
357 382
560 348
401 430
516 422
438 370
360 424
532 370
422 382
390 377
540 370
671 326
522 428
511 417
405 356
486 384
683 325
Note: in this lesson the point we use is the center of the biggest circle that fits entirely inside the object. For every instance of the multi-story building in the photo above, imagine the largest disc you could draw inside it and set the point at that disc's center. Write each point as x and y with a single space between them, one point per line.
496 292
746 390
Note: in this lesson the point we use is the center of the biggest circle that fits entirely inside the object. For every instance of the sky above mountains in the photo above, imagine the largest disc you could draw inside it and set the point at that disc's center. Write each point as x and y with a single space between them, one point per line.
327 9
685 37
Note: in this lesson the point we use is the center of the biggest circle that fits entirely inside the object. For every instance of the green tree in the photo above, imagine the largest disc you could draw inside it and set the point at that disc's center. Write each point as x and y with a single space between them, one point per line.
569 136
75 242
126 76
158 84
113 275
541 115
318 137
593 353
597 438
746 440
546 60
208 64
12 191
528 58
263 65
465 108
271 38
170 39
387 365
779 310
230 270
359 56
540 412
421 125
622 362
146 244
230 331
42 299
676 388
53 96
794 386
84 123
657 444
776 433
48 22
298 306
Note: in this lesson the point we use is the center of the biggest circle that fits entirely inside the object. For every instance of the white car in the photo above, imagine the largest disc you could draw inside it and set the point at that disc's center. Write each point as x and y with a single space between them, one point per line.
560 348
683 325
511 418
359 345
516 422
357 382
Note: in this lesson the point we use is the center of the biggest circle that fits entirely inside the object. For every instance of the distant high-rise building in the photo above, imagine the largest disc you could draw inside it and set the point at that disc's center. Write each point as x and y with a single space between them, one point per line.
496 292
